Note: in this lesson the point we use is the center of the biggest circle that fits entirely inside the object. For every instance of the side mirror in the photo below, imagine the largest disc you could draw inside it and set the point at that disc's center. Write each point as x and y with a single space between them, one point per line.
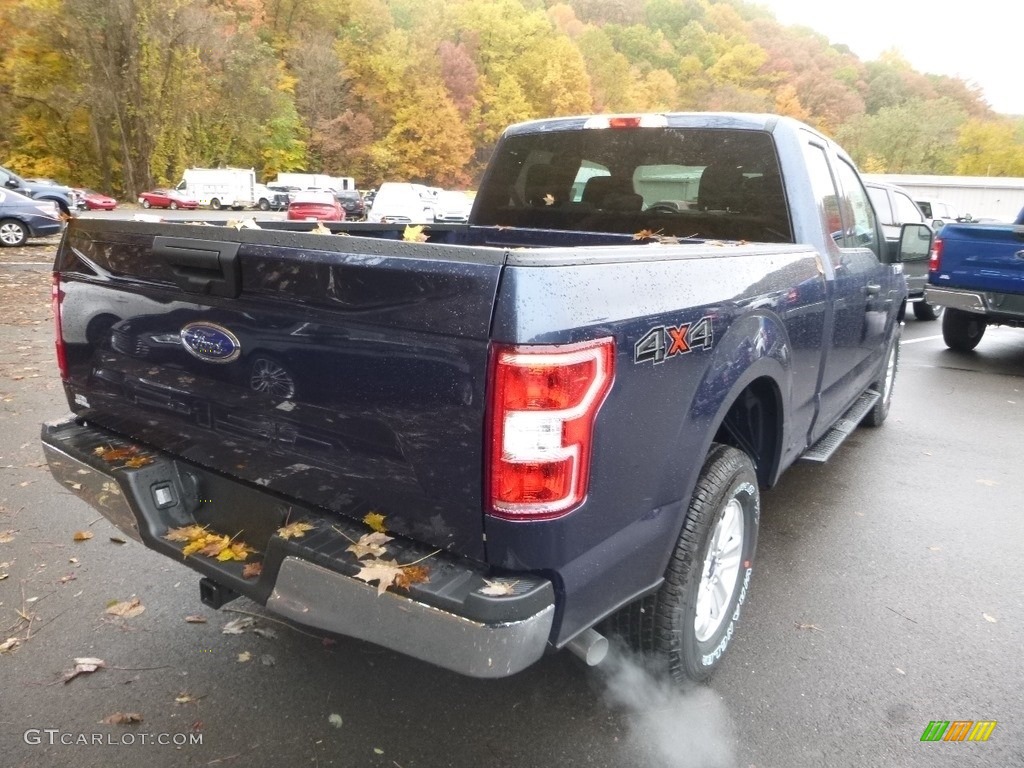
915 242
11 183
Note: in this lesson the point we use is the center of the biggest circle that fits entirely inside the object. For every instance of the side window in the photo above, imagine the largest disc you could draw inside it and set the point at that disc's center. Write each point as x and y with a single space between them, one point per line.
906 211
824 191
880 200
860 227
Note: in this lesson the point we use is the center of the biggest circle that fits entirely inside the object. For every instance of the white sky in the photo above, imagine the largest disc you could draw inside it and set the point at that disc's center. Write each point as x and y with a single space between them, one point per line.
976 40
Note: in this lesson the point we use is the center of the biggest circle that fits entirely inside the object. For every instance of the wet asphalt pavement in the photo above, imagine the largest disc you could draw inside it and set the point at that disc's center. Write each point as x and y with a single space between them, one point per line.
887 594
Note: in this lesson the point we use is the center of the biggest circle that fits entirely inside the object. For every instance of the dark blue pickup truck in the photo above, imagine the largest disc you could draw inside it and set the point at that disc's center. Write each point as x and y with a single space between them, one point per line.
976 271
519 435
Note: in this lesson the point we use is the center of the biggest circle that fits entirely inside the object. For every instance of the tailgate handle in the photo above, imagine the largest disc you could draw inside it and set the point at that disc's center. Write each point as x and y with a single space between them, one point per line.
202 266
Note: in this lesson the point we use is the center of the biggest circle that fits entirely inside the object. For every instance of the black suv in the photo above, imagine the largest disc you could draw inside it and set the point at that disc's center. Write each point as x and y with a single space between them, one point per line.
353 204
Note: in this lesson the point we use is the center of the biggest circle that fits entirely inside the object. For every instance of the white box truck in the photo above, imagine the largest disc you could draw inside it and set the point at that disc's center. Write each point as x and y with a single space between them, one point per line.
220 187
315 181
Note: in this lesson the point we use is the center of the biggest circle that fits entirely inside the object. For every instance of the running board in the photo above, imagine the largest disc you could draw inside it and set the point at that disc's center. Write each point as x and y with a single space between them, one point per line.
822 450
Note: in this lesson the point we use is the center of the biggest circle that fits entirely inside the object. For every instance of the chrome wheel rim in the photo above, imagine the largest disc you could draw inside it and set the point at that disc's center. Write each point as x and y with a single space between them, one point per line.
268 376
721 572
11 234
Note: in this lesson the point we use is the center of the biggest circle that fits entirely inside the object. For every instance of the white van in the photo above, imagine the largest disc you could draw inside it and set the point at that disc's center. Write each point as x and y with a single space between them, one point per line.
400 203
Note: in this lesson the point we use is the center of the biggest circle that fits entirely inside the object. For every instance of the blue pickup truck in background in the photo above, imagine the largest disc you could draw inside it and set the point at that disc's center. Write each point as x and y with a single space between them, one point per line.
518 435
976 271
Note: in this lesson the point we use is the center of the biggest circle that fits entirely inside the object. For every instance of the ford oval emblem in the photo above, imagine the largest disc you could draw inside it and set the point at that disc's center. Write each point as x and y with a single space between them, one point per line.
210 343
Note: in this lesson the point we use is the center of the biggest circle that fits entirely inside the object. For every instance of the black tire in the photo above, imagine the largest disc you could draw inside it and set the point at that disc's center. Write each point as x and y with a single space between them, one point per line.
925 311
146 204
268 376
215 204
264 205
663 626
12 233
876 416
962 330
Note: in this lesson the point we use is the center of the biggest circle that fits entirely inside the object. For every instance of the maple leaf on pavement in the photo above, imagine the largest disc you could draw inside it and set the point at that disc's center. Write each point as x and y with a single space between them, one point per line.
122 718
126 609
83 665
370 544
376 521
294 531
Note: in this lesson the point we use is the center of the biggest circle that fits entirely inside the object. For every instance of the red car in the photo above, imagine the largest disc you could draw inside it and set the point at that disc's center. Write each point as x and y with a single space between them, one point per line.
315 206
165 198
94 201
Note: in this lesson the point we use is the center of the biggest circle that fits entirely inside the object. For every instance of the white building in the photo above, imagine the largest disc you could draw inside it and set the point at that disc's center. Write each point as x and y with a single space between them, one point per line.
1000 198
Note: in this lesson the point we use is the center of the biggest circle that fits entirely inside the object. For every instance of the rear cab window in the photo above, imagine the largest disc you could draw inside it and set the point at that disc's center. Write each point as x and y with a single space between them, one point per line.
718 183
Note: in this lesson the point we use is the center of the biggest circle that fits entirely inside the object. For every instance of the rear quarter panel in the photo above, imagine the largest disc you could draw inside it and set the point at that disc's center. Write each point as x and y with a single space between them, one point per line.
981 257
764 307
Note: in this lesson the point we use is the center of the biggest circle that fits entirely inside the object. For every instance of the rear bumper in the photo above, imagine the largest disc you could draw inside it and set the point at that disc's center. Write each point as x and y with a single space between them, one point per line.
998 307
447 620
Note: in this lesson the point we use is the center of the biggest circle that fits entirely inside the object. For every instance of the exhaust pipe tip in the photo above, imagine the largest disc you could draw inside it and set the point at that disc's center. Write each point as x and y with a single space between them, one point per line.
589 645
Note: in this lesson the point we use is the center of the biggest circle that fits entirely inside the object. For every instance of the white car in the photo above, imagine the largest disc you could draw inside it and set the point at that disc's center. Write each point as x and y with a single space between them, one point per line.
939 212
452 207
400 203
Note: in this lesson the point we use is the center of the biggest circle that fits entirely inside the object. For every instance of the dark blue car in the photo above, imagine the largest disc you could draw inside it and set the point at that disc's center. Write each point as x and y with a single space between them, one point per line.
22 217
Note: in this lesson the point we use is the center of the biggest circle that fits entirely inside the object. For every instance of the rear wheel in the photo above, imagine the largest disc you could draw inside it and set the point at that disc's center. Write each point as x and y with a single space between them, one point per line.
12 233
925 311
687 625
962 330
215 204
264 204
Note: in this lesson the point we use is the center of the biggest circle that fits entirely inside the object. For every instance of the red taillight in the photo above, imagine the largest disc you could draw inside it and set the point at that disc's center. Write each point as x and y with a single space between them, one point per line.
543 403
935 257
58 332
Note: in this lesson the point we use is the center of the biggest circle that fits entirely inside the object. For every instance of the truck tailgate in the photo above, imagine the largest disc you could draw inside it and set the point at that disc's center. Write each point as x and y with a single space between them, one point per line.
983 258
352 382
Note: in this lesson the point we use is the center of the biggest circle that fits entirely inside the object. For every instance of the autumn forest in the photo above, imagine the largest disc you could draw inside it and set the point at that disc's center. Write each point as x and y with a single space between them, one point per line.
121 95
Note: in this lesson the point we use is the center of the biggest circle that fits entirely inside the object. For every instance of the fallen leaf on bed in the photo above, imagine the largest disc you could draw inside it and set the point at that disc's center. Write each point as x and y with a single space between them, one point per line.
376 521
384 572
294 530
6 537
185 533
138 461
82 535
320 229
414 234
252 570
498 588
370 544
195 619
412 574
644 234
237 550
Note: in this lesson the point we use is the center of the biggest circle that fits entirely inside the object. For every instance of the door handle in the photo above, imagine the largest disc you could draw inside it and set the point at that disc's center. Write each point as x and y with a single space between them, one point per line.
872 289
202 266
